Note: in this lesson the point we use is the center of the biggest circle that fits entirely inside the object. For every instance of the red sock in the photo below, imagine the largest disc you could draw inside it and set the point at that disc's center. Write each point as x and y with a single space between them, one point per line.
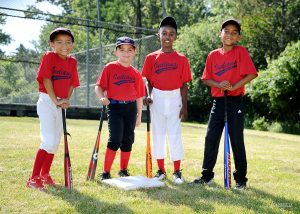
161 164
47 164
109 159
124 159
39 159
176 165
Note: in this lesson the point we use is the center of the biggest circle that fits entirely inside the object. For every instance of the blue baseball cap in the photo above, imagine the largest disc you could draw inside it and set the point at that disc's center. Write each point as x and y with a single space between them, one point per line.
124 40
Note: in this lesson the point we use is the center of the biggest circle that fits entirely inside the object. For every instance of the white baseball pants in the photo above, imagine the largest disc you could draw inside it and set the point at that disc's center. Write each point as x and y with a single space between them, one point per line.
50 123
165 122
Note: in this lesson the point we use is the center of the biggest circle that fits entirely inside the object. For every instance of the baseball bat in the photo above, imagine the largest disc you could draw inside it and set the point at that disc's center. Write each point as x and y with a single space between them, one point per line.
148 148
94 159
67 161
227 161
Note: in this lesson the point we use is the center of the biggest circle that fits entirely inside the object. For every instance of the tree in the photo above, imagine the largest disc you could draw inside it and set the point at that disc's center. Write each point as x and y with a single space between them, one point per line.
196 42
4 38
277 87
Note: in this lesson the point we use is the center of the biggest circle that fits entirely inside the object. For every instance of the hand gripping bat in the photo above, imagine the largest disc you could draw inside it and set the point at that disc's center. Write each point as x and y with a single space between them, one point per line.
67 161
94 159
227 162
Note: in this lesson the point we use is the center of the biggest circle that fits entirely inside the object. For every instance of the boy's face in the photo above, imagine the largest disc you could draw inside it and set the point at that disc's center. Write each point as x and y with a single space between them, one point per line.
125 53
62 45
230 35
167 36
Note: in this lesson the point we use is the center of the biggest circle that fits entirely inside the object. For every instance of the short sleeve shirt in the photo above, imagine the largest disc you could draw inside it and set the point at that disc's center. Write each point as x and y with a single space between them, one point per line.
62 73
121 83
232 66
167 71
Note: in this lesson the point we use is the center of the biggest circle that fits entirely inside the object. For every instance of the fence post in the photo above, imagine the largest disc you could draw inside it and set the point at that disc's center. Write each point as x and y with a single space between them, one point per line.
87 65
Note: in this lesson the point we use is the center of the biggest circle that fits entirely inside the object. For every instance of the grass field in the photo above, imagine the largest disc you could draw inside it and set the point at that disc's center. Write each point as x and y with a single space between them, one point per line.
273 172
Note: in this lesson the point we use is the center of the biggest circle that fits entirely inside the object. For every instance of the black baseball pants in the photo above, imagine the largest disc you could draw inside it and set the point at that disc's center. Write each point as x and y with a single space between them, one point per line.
214 132
121 125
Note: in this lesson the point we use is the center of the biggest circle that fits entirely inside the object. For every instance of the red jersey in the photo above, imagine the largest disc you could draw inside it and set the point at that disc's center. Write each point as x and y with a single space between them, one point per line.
121 83
231 66
167 71
63 73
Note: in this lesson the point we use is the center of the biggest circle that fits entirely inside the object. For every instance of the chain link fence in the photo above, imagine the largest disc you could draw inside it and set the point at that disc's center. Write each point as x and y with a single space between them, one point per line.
90 61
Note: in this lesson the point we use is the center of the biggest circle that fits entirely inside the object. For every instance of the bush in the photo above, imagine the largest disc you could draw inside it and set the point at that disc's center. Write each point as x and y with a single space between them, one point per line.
260 124
275 127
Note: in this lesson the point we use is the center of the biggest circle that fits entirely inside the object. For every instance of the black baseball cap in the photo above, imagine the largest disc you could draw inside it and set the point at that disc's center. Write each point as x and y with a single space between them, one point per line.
231 22
60 30
124 40
168 21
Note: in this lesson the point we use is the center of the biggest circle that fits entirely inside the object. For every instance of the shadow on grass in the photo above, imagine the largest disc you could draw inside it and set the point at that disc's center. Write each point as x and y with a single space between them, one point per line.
85 203
202 199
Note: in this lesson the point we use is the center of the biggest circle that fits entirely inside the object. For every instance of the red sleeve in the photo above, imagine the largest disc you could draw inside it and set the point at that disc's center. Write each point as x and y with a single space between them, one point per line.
207 73
75 79
103 79
186 76
140 87
146 72
246 63
45 68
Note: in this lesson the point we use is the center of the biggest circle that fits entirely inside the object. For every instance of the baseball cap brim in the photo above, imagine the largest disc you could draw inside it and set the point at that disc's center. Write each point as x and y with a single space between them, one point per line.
168 21
60 30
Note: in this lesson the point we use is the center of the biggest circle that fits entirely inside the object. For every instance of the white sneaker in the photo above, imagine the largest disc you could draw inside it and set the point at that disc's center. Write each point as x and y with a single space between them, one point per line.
160 175
177 177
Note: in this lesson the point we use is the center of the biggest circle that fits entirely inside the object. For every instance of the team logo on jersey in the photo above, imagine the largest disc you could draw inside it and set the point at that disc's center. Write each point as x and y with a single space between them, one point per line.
60 74
123 79
223 68
162 67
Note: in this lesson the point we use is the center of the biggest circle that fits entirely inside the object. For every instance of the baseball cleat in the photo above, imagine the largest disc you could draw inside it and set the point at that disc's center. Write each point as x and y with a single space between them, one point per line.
124 173
47 179
35 183
177 177
160 175
203 181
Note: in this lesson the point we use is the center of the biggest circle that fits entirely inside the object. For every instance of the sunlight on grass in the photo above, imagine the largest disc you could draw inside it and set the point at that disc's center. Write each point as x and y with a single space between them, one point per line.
273 172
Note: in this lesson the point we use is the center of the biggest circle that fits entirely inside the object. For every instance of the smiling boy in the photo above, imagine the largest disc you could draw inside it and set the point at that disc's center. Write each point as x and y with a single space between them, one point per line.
227 68
167 73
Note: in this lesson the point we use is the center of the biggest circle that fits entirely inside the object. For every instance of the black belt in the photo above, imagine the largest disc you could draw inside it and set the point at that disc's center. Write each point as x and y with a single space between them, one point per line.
112 101
229 97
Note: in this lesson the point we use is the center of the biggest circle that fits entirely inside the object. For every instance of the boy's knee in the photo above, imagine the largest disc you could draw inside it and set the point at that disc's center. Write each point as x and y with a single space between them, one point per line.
113 146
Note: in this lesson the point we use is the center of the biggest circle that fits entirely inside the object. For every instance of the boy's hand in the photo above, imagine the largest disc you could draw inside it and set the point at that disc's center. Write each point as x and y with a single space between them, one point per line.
147 101
138 120
104 101
183 113
63 103
225 85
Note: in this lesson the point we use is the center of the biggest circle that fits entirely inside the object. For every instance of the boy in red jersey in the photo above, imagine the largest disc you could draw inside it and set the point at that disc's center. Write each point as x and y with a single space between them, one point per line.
121 88
227 68
167 73
57 77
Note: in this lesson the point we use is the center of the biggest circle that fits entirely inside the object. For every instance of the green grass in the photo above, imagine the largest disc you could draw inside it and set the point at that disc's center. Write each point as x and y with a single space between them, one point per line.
273 172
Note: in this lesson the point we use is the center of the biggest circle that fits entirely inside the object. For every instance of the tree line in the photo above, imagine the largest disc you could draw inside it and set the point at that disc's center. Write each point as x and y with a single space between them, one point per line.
270 31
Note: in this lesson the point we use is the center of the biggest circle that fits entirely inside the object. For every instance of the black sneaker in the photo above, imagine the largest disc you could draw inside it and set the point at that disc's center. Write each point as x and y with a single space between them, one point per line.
240 186
203 181
124 173
104 176
177 177
160 175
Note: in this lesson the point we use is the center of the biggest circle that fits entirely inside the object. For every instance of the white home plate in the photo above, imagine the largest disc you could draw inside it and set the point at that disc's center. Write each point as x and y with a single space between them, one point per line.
134 182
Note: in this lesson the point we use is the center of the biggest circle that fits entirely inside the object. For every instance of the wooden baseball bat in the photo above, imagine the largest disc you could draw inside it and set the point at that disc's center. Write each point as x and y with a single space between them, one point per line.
148 148
94 159
67 161
227 161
